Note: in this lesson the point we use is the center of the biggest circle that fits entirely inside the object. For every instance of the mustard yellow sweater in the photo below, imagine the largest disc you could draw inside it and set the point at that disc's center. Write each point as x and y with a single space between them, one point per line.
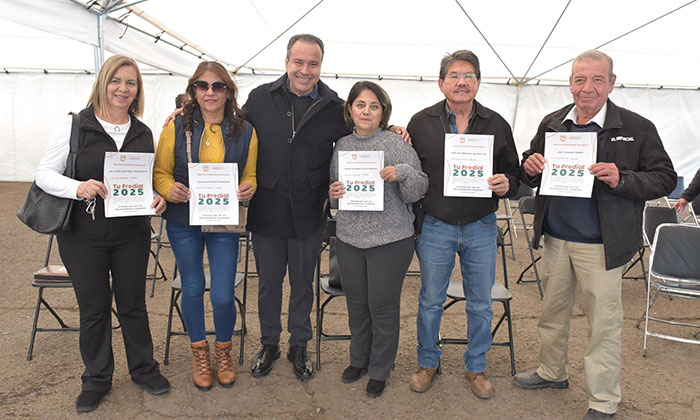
211 151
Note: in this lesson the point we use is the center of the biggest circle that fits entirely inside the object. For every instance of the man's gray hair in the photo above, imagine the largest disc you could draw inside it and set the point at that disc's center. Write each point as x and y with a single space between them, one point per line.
597 56
311 39
460 55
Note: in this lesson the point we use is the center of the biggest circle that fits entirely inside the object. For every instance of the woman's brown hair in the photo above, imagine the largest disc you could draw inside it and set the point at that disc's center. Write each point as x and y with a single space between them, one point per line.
232 112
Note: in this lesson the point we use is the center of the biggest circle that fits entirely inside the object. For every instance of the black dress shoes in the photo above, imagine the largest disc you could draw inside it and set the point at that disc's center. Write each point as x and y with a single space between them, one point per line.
303 366
89 400
155 385
262 362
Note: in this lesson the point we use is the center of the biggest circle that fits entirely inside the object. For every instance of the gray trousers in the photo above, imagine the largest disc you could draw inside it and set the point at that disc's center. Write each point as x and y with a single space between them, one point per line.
372 279
273 256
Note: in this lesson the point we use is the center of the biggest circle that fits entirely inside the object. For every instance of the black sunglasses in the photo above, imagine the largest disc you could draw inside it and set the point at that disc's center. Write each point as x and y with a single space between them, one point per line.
217 87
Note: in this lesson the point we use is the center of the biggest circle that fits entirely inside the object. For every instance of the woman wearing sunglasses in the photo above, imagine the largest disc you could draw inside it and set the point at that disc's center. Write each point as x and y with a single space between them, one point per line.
96 246
218 133
375 248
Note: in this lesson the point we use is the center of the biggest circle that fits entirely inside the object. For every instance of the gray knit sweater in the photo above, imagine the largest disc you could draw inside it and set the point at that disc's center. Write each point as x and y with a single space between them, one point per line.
366 229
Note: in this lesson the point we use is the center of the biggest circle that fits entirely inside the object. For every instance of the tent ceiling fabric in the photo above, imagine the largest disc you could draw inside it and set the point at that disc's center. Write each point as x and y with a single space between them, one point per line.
403 38
408 37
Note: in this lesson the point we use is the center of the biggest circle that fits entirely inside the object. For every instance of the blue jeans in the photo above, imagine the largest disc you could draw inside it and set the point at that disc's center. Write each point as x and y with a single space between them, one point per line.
188 244
475 243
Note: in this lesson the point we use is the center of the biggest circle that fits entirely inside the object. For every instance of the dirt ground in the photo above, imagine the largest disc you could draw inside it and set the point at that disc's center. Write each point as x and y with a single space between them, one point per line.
664 385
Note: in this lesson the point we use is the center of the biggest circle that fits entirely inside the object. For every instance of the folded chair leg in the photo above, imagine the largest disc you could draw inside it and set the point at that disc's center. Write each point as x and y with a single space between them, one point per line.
53 312
241 312
506 307
650 304
168 333
34 324
318 314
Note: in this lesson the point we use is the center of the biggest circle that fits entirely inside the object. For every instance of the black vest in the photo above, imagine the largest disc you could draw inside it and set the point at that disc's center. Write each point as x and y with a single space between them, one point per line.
236 151
93 144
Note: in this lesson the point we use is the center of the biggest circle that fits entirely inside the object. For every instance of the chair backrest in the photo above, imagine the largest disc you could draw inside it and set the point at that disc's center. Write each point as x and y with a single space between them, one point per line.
653 217
524 190
500 244
696 205
329 230
526 205
51 275
680 187
48 251
675 252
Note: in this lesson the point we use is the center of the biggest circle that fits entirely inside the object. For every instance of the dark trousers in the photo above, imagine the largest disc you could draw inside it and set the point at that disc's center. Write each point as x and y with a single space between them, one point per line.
89 262
372 279
273 257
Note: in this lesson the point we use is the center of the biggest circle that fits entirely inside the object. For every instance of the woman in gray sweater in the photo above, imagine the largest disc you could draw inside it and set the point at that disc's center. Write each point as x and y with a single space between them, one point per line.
375 248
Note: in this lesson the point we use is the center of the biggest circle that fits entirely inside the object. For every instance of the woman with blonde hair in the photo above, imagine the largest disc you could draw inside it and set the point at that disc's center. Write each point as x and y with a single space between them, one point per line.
217 133
97 248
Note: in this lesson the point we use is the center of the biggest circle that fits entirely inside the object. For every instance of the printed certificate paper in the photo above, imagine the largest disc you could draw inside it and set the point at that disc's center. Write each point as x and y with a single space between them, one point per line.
213 193
364 188
129 179
468 165
567 158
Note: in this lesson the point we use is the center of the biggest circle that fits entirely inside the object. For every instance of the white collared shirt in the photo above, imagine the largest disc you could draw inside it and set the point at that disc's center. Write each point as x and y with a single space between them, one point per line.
49 174
599 118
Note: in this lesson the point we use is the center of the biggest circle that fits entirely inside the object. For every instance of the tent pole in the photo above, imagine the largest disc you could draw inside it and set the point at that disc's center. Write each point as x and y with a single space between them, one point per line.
100 48
517 104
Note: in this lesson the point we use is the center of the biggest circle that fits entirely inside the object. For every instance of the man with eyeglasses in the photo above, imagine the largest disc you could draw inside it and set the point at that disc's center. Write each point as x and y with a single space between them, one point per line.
461 224
588 241
298 118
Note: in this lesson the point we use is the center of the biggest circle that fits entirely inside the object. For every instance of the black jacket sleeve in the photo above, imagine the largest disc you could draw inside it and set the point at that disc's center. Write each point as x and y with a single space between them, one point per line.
693 189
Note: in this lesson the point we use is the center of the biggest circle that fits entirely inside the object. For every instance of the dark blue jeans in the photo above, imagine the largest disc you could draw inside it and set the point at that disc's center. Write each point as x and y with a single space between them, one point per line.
188 243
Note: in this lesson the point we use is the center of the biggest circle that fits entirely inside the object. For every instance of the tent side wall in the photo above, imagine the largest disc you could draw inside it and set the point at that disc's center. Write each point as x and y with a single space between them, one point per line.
36 103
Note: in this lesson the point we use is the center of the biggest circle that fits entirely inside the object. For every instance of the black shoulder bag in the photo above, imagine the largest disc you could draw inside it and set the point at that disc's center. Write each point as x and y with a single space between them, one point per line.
46 213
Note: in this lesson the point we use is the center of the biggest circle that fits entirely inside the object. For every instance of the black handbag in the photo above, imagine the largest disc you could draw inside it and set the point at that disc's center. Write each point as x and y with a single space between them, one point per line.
46 213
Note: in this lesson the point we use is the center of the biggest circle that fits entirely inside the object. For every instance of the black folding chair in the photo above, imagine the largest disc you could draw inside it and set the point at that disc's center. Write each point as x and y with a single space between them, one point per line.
51 276
330 284
159 242
653 216
499 293
674 271
526 206
509 216
695 209
176 293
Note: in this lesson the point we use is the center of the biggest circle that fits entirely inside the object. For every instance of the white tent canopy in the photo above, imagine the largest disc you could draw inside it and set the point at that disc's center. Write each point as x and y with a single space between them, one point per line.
399 43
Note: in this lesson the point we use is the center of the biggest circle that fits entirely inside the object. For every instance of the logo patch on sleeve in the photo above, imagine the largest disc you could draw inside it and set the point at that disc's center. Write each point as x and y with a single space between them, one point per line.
622 138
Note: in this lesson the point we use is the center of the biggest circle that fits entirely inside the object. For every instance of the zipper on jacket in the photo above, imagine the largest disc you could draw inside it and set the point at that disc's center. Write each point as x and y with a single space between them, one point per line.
294 131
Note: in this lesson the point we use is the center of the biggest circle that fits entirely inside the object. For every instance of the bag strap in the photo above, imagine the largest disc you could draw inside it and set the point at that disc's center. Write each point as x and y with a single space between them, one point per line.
73 144
74 133
188 134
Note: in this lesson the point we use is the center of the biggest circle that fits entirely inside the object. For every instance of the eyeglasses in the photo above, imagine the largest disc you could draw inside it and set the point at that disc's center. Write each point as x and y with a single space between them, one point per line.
454 77
217 87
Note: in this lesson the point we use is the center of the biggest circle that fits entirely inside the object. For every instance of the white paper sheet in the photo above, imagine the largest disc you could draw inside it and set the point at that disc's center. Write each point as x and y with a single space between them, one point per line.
213 193
129 181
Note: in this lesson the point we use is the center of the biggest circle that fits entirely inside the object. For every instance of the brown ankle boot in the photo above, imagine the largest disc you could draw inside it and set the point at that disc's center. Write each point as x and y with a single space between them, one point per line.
201 365
225 371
